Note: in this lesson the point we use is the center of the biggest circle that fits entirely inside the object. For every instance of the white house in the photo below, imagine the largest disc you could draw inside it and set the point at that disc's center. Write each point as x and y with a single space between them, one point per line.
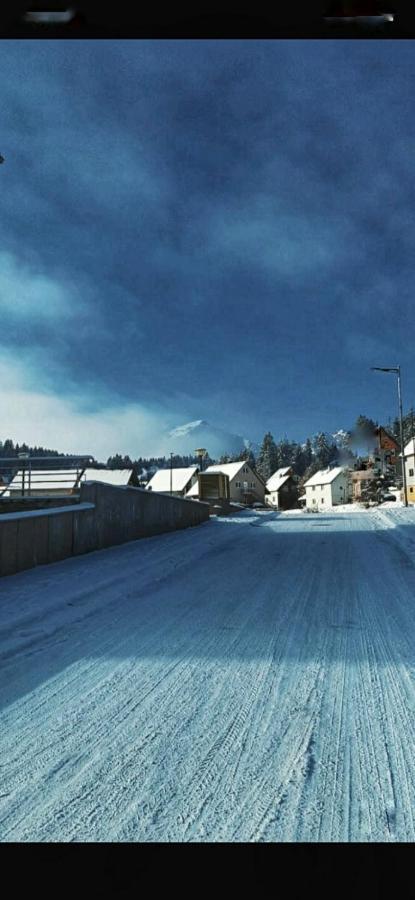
117 477
176 481
409 452
245 486
282 489
329 487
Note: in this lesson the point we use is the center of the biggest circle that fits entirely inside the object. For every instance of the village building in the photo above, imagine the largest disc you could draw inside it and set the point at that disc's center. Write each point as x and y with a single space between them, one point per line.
327 488
245 485
409 453
282 489
386 454
173 481
117 477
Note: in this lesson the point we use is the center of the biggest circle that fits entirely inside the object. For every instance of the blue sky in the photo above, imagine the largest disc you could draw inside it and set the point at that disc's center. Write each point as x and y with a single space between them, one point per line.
203 229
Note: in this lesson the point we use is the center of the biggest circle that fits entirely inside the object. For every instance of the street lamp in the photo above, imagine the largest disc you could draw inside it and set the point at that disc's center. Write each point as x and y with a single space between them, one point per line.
201 453
396 370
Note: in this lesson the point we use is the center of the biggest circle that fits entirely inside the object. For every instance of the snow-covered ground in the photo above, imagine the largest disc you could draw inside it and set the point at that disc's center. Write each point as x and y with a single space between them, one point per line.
252 679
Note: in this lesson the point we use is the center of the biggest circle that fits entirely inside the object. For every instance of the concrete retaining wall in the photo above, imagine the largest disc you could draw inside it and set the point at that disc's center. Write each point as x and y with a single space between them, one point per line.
105 516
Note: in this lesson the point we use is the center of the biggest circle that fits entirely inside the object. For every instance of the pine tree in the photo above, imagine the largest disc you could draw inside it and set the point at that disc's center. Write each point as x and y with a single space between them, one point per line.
308 453
322 449
285 453
247 455
373 488
267 462
299 460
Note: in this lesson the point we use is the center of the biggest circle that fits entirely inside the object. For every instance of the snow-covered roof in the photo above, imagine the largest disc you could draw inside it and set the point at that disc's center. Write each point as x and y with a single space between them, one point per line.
276 485
46 479
108 476
324 476
179 479
278 478
230 469
194 490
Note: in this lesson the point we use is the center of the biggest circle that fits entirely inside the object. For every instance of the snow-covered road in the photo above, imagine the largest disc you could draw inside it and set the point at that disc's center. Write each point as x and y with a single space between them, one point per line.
252 679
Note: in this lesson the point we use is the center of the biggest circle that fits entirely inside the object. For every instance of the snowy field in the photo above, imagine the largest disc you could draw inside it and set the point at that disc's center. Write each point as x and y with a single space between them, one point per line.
252 679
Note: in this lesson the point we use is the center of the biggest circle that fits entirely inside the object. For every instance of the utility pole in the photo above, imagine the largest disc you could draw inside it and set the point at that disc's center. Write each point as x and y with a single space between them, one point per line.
396 370
171 473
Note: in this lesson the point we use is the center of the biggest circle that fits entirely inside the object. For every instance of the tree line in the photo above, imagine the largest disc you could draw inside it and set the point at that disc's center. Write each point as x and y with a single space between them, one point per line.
316 452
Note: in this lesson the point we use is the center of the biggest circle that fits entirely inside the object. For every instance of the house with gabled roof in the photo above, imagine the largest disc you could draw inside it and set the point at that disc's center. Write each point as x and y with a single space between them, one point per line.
386 454
409 454
175 481
117 477
282 489
327 488
245 485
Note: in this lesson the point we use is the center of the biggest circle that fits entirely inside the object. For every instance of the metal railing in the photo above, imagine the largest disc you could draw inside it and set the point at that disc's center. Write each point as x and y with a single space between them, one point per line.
22 476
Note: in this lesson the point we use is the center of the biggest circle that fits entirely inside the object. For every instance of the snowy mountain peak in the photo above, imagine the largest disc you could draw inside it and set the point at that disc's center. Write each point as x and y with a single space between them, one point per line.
184 439
183 430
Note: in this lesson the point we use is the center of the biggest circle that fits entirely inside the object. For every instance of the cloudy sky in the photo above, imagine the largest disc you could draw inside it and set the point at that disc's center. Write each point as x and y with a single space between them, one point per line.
211 229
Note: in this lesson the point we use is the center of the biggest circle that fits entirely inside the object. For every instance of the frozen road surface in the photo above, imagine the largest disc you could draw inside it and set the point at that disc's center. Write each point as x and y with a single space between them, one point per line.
252 679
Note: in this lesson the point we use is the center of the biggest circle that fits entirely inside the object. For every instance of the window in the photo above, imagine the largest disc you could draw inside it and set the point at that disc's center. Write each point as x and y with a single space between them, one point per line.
411 473
321 487
411 490
314 500
322 499
314 487
237 483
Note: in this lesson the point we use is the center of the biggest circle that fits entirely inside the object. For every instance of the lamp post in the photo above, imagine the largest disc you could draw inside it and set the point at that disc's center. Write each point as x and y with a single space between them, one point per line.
201 453
396 370
171 473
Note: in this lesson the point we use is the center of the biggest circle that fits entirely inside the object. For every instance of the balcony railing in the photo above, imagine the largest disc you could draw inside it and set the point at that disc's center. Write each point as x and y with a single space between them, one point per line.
28 476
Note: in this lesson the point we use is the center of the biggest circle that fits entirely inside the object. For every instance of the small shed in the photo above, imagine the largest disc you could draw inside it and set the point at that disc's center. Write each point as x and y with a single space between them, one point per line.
210 486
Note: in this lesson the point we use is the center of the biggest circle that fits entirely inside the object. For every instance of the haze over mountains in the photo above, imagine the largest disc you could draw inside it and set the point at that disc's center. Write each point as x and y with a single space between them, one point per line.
185 439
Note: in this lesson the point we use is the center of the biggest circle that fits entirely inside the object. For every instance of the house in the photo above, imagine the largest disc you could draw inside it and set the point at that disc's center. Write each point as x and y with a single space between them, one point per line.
327 488
245 486
173 481
117 477
386 454
282 489
409 453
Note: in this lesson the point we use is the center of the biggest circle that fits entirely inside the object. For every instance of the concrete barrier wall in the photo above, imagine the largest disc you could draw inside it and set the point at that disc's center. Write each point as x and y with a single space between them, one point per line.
126 513
105 516
23 504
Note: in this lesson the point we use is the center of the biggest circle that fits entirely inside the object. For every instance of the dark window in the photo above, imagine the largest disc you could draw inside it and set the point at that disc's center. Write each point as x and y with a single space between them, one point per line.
411 472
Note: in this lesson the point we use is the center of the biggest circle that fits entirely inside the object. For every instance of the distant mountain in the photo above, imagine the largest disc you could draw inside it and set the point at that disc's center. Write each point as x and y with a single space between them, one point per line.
185 439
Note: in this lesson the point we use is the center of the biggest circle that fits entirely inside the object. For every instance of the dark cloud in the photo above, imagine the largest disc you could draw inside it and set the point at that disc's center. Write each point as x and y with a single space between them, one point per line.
233 213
